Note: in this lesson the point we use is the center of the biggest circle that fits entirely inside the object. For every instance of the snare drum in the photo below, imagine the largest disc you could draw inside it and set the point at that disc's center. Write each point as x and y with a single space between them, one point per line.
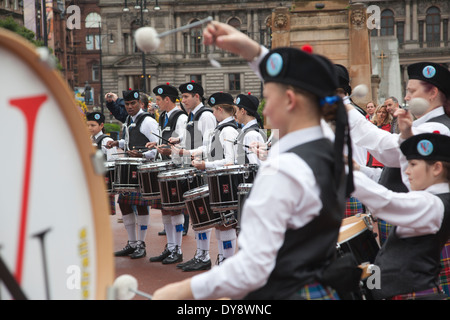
357 238
126 174
148 178
109 176
223 185
197 205
174 183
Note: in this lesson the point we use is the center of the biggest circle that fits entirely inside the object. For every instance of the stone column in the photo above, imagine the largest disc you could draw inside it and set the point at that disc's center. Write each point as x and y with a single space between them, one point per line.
407 20
281 25
415 22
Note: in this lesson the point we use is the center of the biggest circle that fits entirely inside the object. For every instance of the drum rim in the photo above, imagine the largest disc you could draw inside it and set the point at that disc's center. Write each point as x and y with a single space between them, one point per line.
204 191
157 164
358 230
165 174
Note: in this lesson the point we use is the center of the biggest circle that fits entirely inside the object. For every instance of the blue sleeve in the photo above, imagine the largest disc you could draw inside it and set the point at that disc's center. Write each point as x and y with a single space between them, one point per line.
117 109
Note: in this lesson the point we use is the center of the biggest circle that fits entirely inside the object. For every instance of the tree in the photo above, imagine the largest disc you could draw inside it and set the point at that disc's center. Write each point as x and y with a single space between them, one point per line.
10 24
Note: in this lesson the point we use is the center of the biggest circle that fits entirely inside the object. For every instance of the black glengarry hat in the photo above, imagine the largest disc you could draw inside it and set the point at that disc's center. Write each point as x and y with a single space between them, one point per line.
131 95
220 98
304 70
427 146
191 87
433 73
95 116
166 90
248 102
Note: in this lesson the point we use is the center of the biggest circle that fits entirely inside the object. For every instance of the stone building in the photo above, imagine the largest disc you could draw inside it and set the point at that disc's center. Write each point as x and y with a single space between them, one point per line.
420 30
181 57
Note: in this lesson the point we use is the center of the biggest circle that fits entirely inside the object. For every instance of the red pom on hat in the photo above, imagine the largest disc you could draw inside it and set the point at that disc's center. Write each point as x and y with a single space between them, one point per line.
249 93
307 48
436 131
167 83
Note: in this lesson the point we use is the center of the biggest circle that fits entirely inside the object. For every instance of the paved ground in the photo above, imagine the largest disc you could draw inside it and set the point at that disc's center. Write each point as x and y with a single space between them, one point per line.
153 275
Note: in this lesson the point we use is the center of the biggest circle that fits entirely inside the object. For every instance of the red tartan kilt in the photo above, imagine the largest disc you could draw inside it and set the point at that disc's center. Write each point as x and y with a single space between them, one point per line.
135 198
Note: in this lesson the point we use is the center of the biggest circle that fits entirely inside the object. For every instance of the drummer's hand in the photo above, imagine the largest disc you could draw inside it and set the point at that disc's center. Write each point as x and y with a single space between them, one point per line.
110 144
175 291
151 145
200 165
404 120
135 154
260 149
173 140
110 97
162 149
230 39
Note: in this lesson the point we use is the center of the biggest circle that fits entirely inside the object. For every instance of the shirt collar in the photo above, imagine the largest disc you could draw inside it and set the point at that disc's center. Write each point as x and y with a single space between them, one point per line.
229 119
135 116
197 108
250 123
429 115
438 188
298 137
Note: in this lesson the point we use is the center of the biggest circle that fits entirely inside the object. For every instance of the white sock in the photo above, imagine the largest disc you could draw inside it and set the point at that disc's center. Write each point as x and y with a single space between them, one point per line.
168 227
129 221
203 241
177 223
227 242
142 222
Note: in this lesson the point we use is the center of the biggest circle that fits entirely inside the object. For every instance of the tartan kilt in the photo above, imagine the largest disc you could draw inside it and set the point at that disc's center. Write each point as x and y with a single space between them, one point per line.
445 269
134 198
112 203
383 230
316 291
353 206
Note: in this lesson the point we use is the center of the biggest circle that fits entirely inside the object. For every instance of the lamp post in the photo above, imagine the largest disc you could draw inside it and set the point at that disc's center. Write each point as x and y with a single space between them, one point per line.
142 6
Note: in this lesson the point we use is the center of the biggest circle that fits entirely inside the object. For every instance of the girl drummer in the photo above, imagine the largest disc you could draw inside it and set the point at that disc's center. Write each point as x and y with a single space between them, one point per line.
288 232
222 152
409 261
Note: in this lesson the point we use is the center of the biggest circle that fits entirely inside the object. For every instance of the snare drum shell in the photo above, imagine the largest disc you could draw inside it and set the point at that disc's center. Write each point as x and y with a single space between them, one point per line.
109 176
198 207
174 183
126 174
148 178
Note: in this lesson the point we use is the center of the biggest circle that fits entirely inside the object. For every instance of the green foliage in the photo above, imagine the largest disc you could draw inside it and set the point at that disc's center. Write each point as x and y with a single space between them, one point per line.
10 24
111 127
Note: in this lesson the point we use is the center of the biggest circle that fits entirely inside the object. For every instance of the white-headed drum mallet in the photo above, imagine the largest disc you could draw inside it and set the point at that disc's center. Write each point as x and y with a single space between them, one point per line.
125 288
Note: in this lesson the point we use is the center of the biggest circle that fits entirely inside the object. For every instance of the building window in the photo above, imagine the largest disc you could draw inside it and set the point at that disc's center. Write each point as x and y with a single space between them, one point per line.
234 81
421 33
95 72
433 20
387 23
93 20
197 78
234 22
401 32
196 42
445 31
93 42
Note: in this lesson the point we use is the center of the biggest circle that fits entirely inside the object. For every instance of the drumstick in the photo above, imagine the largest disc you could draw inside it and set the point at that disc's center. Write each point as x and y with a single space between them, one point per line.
163 139
235 142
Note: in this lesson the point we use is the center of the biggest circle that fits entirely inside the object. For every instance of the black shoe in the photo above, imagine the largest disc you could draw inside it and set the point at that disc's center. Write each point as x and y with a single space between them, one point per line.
126 251
174 257
198 265
161 257
184 264
162 233
220 259
139 252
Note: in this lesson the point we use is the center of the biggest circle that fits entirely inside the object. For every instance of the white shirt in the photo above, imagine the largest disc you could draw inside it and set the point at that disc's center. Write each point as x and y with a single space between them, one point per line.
285 195
415 213
110 153
385 146
147 128
229 148
249 137
206 123
180 126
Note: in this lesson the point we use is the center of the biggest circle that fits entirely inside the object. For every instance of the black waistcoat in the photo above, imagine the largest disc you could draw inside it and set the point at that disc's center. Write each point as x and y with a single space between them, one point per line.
241 150
412 264
194 135
391 178
168 130
307 250
136 137
217 150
